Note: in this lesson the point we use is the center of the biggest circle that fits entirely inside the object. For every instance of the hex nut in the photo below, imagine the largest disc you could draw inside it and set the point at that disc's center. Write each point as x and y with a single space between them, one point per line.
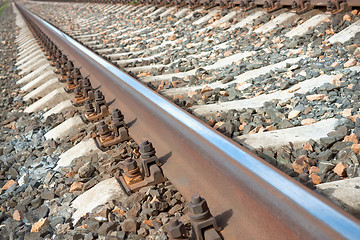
198 205
102 128
176 229
146 147
130 164
116 113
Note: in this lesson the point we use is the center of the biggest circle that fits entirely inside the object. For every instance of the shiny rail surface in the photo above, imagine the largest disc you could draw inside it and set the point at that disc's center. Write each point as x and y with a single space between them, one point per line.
249 198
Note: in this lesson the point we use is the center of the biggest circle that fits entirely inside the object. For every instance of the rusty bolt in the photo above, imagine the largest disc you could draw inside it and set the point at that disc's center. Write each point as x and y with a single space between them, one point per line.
64 58
117 114
129 164
58 54
76 73
103 128
78 92
89 108
198 205
86 82
176 229
69 79
147 149
98 95
62 72
69 65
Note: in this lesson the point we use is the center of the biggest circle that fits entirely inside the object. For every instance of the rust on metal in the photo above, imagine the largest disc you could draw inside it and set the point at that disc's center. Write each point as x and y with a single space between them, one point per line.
150 173
271 5
107 138
198 160
202 220
100 111
337 6
301 6
247 5
83 92
63 74
73 81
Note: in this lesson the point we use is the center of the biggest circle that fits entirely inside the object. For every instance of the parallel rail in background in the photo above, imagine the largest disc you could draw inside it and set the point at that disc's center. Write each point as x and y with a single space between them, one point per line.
250 198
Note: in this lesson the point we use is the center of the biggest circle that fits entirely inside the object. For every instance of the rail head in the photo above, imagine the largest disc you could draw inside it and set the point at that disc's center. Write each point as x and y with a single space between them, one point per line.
250 198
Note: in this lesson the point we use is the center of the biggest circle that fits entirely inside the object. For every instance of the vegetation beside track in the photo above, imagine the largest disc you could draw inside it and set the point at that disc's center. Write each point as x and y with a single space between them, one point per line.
3 5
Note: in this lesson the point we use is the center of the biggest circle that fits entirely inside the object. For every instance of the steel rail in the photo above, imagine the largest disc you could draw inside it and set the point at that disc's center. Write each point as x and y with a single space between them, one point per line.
250 198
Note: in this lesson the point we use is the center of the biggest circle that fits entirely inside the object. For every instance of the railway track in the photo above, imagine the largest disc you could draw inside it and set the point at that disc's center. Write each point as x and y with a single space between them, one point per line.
280 83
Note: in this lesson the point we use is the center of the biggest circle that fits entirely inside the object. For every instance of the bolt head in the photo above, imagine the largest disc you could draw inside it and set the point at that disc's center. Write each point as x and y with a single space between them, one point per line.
102 128
146 147
98 95
176 229
129 164
198 205
88 105
116 113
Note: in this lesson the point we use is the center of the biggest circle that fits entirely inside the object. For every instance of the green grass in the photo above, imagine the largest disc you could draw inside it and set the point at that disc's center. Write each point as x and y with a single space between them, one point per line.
2 8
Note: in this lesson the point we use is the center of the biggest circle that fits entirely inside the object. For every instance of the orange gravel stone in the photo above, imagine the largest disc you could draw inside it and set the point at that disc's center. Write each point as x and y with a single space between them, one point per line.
308 147
350 63
206 89
315 178
144 74
315 97
355 148
352 138
350 86
218 124
17 216
329 31
300 164
354 12
293 89
346 112
8 185
211 122
353 118
241 127
340 169
224 93
76 186
307 121
70 174
119 211
314 169
270 128
36 227
149 223
293 114
346 18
